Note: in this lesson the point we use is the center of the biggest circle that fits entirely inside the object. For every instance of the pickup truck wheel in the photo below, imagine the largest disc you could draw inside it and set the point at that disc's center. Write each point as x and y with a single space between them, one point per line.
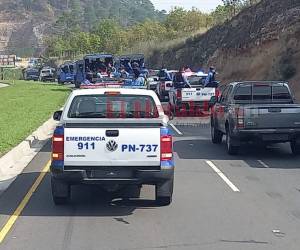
164 193
61 191
216 135
295 147
231 149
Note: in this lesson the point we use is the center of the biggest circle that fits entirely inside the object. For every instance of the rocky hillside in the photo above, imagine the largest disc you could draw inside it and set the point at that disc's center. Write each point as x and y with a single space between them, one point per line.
262 42
24 23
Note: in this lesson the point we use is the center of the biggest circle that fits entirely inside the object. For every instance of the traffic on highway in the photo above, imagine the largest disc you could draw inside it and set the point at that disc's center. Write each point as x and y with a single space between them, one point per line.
138 160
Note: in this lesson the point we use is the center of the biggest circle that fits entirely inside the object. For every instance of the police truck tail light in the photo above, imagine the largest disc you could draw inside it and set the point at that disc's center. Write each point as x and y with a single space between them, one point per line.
58 148
166 147
178 94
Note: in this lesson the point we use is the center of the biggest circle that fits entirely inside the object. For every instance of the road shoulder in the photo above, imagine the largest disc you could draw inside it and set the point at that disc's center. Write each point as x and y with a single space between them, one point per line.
14 162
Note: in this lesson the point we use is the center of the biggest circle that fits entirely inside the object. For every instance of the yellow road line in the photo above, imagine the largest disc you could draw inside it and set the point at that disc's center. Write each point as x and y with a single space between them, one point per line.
12 219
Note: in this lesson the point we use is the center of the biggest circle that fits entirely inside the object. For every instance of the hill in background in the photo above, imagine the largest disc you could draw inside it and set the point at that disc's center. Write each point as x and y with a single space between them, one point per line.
25 23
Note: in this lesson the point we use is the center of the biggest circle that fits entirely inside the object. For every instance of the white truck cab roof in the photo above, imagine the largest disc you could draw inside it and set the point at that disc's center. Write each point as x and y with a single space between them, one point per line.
116 92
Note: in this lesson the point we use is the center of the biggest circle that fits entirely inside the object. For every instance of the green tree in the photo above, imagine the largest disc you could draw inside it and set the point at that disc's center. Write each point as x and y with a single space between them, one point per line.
109 31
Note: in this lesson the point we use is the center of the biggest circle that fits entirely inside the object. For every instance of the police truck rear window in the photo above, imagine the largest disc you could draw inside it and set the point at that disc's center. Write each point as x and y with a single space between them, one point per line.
113 106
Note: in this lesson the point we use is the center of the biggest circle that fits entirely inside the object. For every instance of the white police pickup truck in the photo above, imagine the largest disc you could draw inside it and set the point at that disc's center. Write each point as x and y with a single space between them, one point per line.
113 138
195 96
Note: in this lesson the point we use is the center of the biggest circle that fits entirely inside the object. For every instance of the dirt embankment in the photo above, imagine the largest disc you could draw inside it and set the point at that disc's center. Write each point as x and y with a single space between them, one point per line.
261 43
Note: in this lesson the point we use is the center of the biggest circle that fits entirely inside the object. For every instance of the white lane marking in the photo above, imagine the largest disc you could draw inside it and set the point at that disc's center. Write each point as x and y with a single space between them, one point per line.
262 163
176 129
223 176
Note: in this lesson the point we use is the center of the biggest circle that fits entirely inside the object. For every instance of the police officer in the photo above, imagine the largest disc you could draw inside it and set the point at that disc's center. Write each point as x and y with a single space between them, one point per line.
211 78
180 80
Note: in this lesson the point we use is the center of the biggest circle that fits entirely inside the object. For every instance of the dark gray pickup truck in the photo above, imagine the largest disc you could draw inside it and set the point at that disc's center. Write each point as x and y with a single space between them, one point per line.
263 112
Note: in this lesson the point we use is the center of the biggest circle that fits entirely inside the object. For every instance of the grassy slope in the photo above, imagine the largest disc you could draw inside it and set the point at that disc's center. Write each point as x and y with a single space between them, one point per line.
24 106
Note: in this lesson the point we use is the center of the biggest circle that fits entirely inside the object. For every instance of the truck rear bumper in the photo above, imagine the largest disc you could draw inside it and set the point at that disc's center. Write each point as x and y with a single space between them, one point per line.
113 176
267 135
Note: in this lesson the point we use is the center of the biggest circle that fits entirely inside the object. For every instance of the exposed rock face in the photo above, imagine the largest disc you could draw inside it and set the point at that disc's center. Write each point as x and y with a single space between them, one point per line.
24 23
23 30
262 42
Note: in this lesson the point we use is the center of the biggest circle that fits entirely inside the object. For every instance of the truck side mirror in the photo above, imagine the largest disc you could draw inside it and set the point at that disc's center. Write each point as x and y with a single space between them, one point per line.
57 115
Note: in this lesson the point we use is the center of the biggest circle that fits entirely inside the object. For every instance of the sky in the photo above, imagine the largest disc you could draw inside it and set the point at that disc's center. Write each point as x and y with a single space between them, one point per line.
204 5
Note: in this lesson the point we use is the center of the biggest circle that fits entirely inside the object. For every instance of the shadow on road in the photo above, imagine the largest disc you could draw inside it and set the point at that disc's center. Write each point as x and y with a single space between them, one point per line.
86 200
275 156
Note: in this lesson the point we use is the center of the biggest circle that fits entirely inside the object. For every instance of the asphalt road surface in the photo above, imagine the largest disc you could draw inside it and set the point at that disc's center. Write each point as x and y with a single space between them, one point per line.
250 201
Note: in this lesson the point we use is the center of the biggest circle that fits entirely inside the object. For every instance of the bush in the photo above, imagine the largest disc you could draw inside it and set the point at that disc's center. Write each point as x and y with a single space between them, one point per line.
288 71
11 74
286 68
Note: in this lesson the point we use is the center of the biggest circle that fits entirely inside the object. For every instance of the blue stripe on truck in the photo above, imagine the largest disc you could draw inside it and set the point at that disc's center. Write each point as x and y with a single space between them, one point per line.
167 164
165 131
59 130
58 165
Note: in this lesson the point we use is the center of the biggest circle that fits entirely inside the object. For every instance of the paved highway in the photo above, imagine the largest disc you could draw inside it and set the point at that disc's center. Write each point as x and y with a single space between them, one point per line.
250 201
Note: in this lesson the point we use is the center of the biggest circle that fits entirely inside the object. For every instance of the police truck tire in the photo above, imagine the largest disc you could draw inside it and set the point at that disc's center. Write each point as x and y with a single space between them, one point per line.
216 135
164 193
295 147
61 191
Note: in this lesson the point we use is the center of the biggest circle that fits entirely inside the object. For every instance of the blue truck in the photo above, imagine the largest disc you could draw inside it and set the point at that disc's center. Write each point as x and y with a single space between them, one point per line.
66 73
92 65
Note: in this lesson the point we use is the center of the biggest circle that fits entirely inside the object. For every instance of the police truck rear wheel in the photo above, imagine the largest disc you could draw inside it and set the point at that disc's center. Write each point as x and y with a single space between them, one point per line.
164 193
61 191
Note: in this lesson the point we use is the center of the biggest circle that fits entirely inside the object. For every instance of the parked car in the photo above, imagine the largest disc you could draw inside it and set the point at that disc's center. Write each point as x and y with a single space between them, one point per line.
47 74
31 74
262 112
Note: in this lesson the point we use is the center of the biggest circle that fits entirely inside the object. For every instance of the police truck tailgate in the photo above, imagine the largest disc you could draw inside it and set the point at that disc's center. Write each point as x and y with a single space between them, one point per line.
112 146
197 94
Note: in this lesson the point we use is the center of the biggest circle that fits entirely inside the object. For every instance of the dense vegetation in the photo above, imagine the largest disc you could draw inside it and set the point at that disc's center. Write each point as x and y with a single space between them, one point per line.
86 13
81 31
